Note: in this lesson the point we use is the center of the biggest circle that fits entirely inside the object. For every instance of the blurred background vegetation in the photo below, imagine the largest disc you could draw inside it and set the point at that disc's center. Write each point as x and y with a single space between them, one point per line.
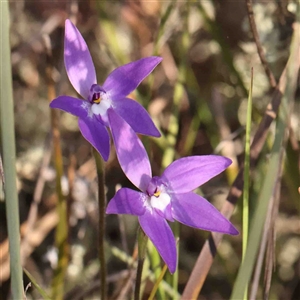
197 97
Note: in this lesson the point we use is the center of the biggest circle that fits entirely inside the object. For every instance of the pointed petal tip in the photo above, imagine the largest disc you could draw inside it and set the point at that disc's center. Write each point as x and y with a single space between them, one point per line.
104 154
154 132
233 231
68 22
111 208
172 268
228 161
158 58
227 229
96 134
157 134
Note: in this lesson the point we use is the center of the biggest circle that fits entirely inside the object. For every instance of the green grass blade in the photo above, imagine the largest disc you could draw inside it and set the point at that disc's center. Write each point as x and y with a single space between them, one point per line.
246 177
9 158
156 285
37 286
155 262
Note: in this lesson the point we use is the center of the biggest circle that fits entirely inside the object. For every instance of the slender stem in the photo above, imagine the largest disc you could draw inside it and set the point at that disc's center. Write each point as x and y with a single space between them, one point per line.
61 233
138 279
142 248
9 156
246 178
101 208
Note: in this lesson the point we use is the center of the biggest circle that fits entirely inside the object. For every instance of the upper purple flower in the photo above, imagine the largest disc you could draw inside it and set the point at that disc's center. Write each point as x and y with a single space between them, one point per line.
168 197
93 110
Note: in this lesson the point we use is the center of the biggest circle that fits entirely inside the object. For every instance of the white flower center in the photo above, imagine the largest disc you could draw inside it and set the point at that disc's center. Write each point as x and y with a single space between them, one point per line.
101 108
160 202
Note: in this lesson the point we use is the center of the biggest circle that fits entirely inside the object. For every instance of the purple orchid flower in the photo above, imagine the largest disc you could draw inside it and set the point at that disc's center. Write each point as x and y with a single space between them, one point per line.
168 197
93 110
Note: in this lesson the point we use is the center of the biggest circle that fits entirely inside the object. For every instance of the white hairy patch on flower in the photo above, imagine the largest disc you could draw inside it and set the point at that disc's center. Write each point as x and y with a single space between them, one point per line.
160 202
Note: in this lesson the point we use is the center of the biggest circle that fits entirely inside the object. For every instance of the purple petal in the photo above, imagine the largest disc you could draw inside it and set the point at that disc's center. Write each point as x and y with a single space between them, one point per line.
131 153
95 133
160 234
186 174
195 211
78 61
123 80
127 201
136 116
74 106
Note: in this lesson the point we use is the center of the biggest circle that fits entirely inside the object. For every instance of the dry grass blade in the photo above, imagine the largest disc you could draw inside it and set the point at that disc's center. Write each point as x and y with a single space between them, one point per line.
270 255
208 252
41 229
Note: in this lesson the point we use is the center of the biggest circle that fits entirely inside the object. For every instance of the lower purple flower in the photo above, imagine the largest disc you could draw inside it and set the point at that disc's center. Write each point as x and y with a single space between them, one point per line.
168 197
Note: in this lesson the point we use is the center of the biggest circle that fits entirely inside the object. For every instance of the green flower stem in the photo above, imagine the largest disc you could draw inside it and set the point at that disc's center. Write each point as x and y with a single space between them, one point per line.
142 248
101 207
9 156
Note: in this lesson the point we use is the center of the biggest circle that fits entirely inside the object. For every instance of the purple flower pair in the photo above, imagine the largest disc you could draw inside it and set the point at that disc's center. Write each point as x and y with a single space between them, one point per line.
165 198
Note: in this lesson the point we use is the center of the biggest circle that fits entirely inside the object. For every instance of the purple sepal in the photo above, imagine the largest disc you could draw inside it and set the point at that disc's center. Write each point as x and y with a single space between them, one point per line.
131 153
160 234
95 133
187 173
195 211
123 80
74 106
78 61
127 201
136 116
